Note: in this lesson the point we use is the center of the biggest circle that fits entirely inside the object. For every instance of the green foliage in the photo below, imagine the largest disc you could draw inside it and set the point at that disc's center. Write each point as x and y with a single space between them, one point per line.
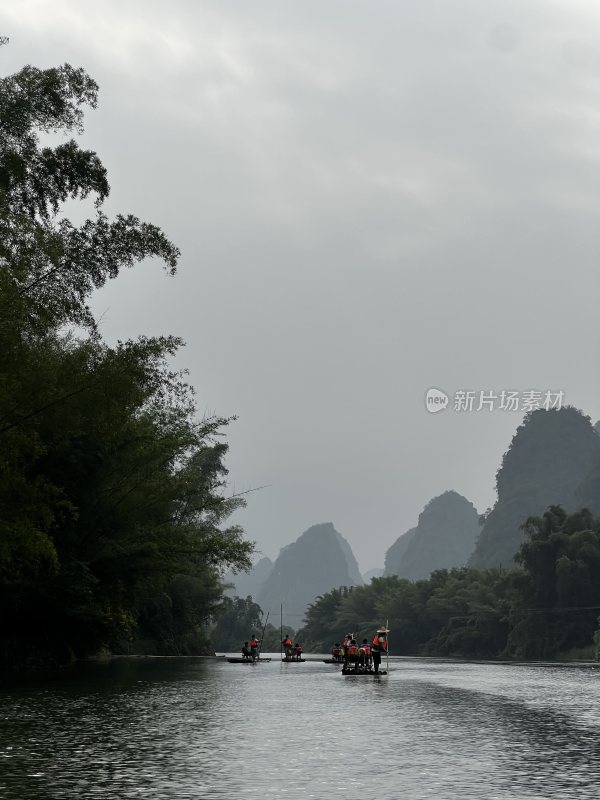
176 620
112 493
237 620
272 640
454 612
321 621
558 595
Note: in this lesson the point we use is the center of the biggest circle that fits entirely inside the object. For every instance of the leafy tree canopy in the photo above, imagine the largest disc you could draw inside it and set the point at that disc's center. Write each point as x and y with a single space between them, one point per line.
112 492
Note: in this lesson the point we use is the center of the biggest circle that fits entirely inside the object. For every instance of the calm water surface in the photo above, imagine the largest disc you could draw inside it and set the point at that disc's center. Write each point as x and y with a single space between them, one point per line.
180 729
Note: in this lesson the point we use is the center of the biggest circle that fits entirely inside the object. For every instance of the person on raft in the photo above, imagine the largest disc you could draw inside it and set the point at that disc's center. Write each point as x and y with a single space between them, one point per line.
297 652
351 654
287 646
364 654
379 647
254 647
337 652
246 652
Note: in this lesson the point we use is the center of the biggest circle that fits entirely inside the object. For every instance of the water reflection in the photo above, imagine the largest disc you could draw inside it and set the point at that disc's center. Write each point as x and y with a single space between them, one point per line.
206 729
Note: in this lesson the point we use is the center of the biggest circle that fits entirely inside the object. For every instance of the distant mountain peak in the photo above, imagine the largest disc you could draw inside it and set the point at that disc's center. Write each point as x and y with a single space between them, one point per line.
249 583
553 458
444 537
319 560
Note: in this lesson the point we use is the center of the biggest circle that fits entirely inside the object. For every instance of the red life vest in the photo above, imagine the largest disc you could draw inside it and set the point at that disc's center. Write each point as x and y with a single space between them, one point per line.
298 649
254 643
287 642
352 650
380 643
366 648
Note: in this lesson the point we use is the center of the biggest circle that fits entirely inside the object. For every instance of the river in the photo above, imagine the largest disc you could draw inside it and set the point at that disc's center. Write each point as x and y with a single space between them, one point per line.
177 729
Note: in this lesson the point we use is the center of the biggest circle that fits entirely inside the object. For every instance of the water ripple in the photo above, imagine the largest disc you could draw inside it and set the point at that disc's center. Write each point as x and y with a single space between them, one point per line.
203 730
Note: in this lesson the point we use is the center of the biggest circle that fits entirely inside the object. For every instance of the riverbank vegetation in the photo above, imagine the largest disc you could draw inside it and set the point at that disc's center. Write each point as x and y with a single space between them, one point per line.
546 607
237 620
112 492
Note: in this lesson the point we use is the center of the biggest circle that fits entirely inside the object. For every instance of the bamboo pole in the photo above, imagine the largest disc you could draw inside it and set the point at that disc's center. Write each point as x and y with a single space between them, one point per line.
262 636
281 632
387 651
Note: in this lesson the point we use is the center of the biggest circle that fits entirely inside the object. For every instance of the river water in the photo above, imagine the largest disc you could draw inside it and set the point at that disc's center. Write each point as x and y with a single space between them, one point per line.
177 729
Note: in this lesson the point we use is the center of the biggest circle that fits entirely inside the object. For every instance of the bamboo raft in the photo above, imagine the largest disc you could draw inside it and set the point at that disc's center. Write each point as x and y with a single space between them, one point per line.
333 660
248 660
292 660
360 673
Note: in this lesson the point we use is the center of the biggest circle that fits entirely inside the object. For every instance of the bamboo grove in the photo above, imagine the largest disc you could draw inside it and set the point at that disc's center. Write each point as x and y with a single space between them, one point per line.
113 504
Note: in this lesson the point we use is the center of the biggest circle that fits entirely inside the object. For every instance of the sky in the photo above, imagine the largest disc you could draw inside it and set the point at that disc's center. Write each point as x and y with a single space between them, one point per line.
371 199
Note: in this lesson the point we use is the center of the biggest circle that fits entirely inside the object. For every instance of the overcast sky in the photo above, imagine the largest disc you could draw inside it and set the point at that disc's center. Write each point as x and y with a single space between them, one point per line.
371 198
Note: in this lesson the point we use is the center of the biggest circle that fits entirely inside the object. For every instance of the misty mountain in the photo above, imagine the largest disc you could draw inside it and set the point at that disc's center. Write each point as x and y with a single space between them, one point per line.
319 560
395 554
445 536
351 562
553 459
249 583
588 494
372 573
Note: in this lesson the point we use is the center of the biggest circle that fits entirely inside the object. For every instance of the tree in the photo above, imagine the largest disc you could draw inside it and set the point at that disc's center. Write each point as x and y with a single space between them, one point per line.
559 590
112 493
237 620
321 628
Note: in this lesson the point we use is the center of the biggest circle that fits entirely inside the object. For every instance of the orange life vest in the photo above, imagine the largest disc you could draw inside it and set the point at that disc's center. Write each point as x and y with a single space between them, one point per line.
366 648
287 642
380 643
352 650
